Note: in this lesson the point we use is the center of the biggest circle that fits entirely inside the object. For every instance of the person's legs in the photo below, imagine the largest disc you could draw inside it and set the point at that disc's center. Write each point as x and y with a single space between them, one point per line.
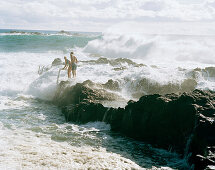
73 73
74 66
69 72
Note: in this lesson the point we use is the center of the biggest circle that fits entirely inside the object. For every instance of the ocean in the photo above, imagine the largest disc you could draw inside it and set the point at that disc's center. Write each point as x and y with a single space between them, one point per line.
34 132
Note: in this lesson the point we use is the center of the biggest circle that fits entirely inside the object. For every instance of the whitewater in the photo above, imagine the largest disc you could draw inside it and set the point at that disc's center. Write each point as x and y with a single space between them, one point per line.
34 132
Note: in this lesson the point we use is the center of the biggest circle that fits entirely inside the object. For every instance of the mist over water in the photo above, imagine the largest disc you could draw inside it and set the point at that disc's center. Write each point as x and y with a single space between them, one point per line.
142 61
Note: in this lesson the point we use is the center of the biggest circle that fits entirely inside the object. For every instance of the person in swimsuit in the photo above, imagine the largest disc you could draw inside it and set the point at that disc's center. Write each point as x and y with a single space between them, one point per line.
74 62
67 64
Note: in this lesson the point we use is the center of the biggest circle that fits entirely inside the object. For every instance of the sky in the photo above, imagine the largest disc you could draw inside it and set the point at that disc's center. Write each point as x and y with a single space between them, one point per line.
97 15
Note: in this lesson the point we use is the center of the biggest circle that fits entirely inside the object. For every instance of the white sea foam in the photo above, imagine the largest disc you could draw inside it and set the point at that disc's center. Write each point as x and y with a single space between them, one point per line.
157 42
20 69
19 74
169 50
34 150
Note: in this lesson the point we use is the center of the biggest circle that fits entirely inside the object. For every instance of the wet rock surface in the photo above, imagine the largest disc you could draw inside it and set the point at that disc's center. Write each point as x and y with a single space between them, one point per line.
85 92
183 123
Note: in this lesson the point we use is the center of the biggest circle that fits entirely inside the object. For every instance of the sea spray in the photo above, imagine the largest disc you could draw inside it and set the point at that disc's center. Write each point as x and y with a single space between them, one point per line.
28 116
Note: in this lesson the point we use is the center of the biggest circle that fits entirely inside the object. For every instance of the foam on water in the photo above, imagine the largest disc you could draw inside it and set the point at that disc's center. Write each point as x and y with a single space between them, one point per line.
36 136
18 70
36 150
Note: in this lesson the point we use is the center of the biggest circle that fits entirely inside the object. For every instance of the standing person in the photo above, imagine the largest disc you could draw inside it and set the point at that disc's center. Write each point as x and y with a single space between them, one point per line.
67 64
74 62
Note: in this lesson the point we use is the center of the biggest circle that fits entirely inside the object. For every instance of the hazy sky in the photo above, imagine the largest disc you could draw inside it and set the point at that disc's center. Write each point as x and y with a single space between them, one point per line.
97 15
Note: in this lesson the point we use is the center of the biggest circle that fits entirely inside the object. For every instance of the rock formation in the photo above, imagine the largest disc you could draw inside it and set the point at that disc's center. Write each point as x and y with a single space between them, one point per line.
56 62
183 123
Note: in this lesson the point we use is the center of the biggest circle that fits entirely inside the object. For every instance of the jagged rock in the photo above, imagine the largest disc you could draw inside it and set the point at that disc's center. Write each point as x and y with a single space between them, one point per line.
84 112
183 123
170 121
160 120
56 62
85 91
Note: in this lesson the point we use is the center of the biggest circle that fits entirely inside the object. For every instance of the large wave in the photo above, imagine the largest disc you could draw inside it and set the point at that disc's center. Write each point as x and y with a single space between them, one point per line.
178 57
158 42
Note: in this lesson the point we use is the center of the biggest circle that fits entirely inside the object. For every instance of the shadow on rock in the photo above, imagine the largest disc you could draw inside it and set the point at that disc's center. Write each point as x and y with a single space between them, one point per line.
183 123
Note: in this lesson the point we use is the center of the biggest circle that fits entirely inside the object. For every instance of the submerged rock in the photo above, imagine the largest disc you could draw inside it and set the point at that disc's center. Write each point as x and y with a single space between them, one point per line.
207 73
148 86
115 62
112 85
182 123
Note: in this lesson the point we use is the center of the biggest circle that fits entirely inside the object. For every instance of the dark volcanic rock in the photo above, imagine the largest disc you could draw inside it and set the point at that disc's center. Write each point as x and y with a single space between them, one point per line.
160 120
183 123
80 92
84 112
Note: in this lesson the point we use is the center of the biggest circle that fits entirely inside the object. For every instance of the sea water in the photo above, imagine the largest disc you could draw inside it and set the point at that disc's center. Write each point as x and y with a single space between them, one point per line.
34 133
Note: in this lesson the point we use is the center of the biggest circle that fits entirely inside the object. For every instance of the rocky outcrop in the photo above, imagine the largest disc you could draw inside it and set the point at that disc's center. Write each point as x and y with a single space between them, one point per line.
183 123
85 92
114 62
64 32
56 62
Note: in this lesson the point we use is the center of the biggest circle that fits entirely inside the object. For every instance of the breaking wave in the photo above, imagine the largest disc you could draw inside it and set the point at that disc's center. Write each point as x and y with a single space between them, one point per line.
132 40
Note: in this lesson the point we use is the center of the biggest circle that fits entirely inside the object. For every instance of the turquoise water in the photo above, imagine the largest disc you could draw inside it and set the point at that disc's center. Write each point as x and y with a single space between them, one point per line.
30 41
